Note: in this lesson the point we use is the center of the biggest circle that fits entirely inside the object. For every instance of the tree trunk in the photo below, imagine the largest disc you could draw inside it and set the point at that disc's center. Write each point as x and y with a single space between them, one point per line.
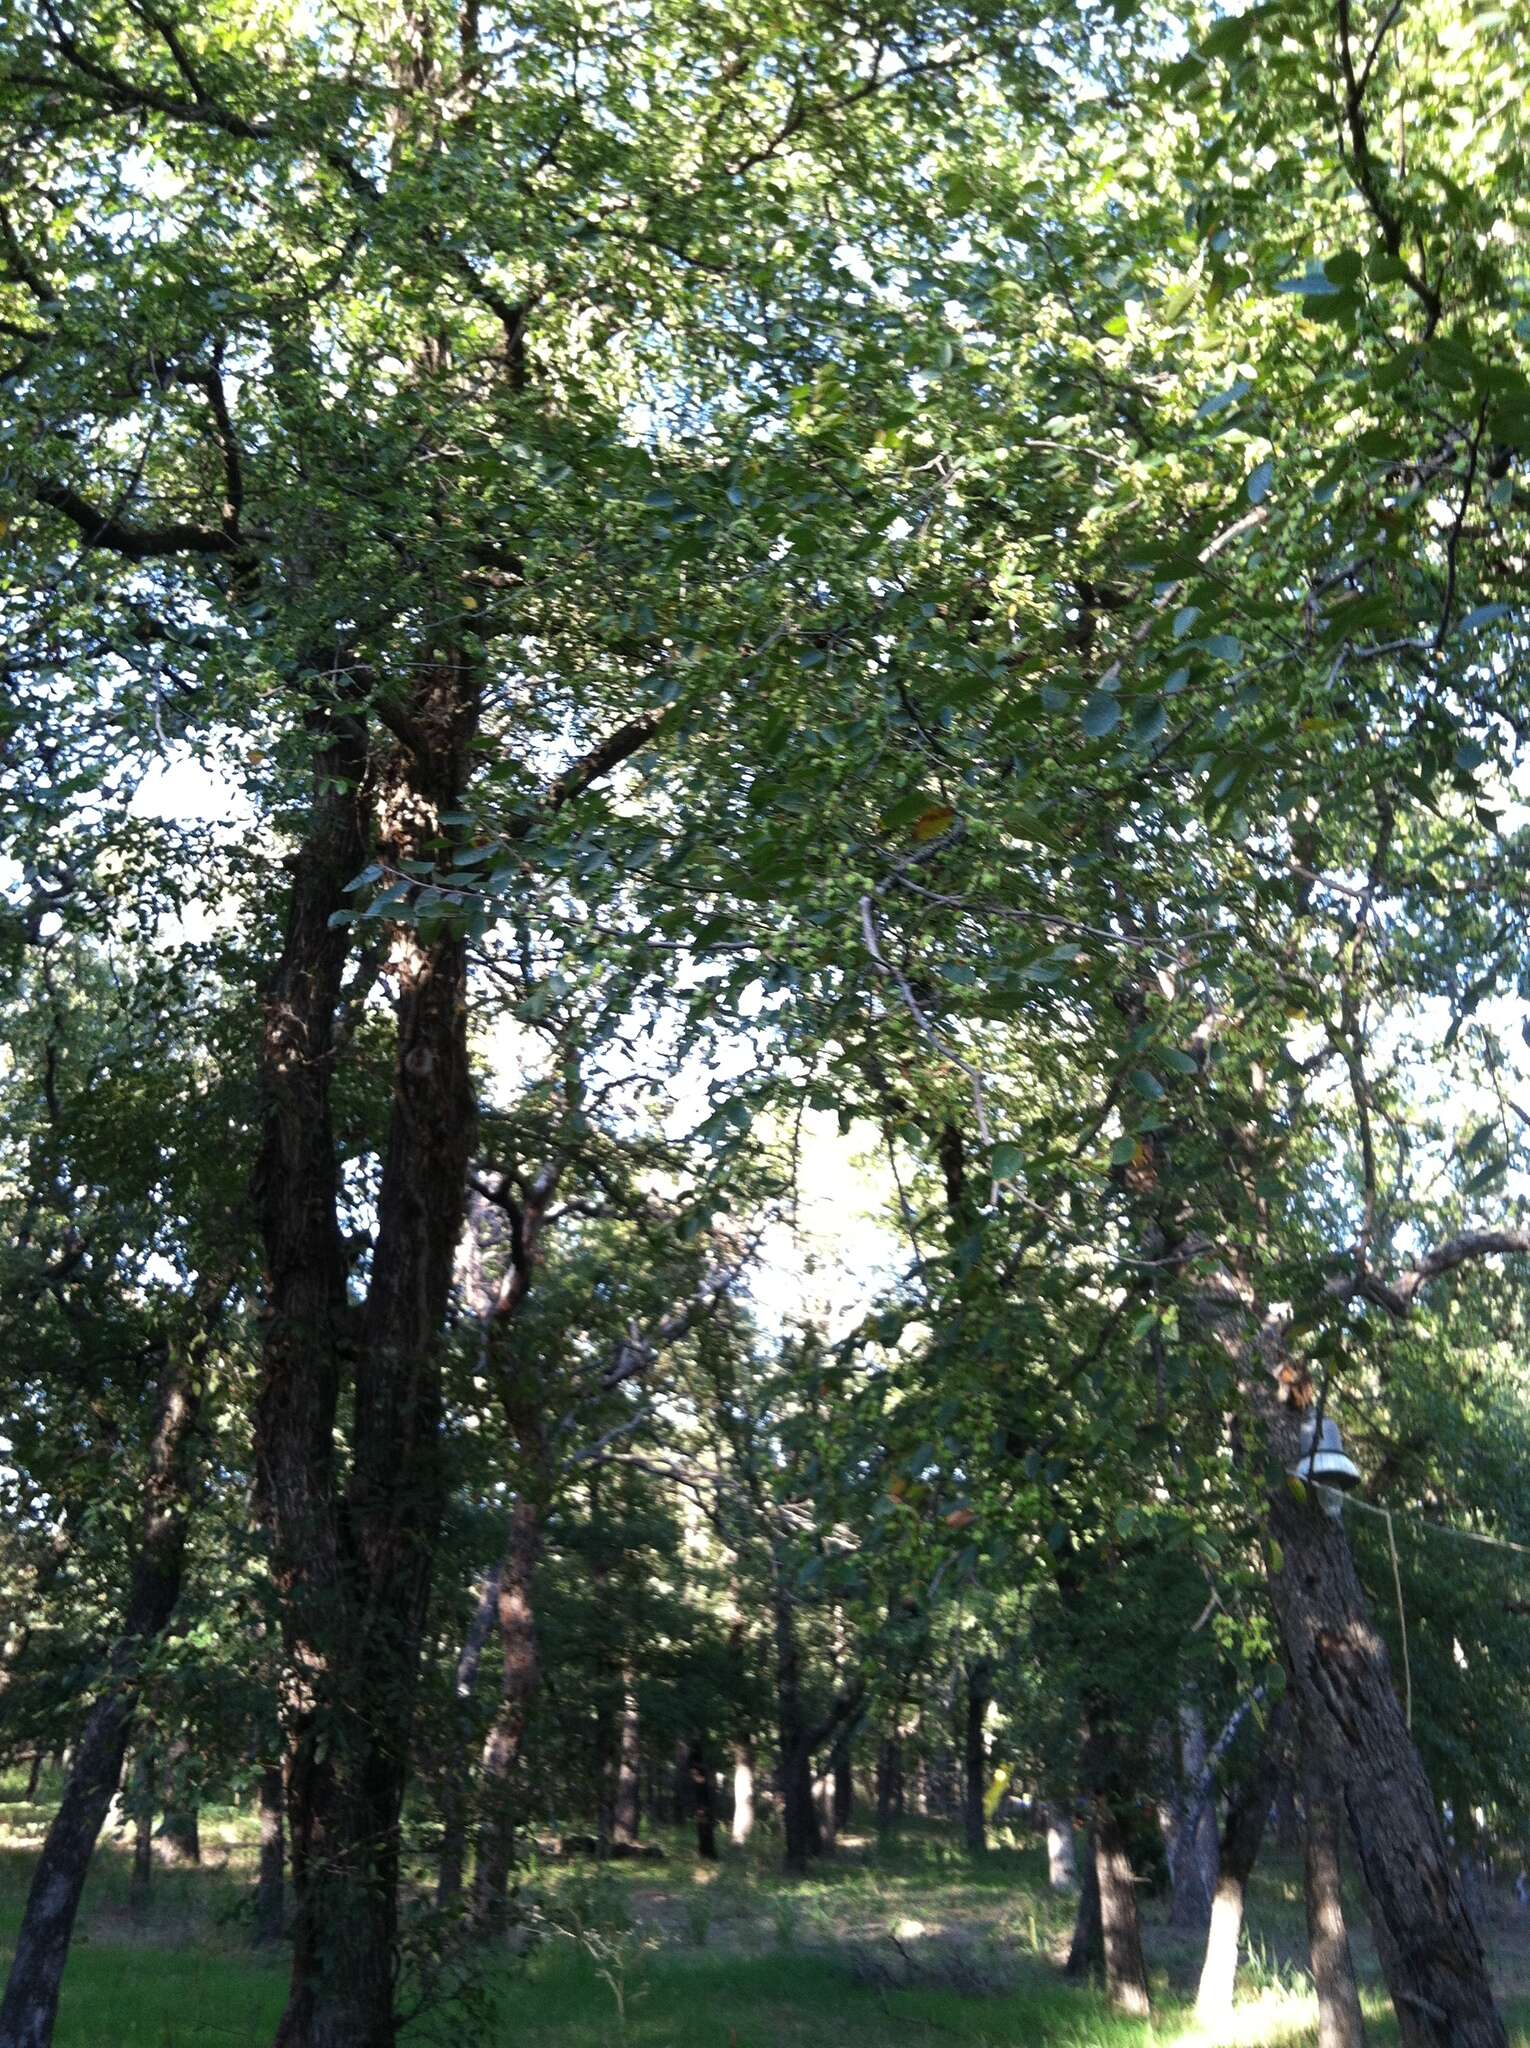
844 1787
799 1813
353 1572
1086 1951
1340 2022
455 1794
179 1836
1242 1834
518 1643
743 1794
141 1881
1190 1835
1350 1717
703 1805
1126 1982
625 1817
889 1783
270 1884
30 2005
975 1756
1062 1866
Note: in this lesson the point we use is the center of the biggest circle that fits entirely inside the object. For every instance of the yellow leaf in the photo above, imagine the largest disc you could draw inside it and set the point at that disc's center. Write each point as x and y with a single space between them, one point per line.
933 822
470 604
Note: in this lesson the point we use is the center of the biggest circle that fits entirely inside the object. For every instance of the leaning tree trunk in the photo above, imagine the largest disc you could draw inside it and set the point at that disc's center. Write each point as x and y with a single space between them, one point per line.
1340 2021
354 1571
1433 1961
502 1749
975 1756
1242 1834
30 2005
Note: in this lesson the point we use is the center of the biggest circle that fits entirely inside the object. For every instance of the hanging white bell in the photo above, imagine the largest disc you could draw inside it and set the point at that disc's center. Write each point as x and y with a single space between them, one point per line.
1325 1462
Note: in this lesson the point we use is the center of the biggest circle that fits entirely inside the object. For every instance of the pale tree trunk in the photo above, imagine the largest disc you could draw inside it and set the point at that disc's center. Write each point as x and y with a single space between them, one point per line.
30 2005
743 1794
1340 2021
1190 1835
1350 1718
1247 1816
1062 1864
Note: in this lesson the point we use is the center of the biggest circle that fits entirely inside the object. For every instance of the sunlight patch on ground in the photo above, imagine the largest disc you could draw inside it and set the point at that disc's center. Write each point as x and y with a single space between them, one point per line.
1270 2020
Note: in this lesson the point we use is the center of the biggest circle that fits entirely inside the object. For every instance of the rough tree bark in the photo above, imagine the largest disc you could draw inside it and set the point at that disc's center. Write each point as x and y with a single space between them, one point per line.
1350 1716
625 1816
1086 1952
1189 1828
30 2005
1126 1983
1340 2021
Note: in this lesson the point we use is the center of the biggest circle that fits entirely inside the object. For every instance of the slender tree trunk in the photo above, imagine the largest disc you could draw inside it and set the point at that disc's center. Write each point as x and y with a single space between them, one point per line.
889 1783
799 1813
1247 1815
703 1804
844 1787
743 1794
1190 1836
30 2005
33 1775
626 1819
1062 1865
270 1884
1086 1951
518 1644
141 1881
1340 2021
1350 1717
455 1796
975 1756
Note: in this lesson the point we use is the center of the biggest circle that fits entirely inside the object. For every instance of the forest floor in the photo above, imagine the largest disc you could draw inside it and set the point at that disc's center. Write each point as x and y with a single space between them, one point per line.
902 1944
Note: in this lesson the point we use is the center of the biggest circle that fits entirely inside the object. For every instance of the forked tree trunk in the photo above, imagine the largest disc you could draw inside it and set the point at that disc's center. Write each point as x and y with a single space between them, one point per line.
1242 1834
1340 2021
270 1883
1126 1983
1350 1717
30 2005
975 1756
354 1572
518 1644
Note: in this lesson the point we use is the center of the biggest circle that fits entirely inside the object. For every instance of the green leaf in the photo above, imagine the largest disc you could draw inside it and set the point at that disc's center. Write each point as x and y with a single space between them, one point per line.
1148 1084
1123 1151
1101 714
1258 485
1007 1161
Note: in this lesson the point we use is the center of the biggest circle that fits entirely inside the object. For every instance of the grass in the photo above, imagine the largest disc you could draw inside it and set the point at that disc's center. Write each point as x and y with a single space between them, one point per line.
909 1946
